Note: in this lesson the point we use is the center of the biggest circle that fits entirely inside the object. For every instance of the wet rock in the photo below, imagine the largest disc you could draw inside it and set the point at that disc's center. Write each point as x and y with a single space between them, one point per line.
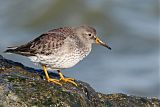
21 86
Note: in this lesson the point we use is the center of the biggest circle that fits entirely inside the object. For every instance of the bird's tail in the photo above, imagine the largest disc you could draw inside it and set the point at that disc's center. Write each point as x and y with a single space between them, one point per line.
11 49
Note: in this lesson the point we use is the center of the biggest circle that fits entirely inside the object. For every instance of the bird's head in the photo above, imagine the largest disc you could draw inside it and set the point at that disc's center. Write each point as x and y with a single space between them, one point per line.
88 34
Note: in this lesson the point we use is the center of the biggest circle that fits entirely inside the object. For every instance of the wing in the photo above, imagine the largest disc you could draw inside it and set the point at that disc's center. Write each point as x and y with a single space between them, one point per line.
44 44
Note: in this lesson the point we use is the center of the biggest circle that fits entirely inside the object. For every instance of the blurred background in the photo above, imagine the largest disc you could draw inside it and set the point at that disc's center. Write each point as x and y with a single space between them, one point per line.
130 27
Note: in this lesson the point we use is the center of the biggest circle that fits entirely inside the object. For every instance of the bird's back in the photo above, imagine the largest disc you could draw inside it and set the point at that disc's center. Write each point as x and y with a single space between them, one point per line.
44 44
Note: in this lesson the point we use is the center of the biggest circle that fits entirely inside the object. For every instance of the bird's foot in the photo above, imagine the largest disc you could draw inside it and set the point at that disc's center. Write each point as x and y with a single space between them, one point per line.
70 80
54 81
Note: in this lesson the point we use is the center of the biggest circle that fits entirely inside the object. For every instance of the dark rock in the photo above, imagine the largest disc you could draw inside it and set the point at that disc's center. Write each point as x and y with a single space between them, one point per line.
22 86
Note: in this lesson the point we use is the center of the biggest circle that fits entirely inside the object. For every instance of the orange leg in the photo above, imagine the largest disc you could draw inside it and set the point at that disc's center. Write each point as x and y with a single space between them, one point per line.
70 80
50 79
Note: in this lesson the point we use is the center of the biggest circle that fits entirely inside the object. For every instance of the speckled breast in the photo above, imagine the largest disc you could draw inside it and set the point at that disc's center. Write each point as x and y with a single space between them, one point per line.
61 60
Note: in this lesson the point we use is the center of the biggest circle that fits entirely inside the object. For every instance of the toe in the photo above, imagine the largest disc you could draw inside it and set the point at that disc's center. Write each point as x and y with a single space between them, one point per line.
73 82
70 80
55 81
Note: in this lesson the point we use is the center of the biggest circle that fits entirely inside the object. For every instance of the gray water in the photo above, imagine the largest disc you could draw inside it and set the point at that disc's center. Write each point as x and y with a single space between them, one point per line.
129 27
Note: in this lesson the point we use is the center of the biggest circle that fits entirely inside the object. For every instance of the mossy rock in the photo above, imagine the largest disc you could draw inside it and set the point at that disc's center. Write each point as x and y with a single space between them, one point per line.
21 86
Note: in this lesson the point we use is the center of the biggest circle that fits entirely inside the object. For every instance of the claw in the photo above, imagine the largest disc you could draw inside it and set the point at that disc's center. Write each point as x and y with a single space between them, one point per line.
70 80
54 81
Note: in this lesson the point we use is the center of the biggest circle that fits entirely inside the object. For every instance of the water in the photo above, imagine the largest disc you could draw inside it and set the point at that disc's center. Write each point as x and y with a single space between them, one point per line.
129 27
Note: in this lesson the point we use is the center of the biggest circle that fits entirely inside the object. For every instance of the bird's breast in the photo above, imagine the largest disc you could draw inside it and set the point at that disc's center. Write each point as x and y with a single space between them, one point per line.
62 59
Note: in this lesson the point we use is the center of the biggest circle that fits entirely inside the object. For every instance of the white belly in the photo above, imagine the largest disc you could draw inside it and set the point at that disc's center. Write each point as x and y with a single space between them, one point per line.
62 58
58 62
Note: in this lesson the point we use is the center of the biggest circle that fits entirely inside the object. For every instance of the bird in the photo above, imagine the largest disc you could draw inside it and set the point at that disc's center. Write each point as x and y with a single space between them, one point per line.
60 48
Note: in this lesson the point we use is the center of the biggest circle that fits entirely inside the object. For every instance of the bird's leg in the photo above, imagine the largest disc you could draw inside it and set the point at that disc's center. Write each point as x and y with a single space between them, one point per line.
70 80
50 79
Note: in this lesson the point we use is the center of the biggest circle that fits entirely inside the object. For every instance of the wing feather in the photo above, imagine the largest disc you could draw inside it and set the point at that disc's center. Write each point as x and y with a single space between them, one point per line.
43 44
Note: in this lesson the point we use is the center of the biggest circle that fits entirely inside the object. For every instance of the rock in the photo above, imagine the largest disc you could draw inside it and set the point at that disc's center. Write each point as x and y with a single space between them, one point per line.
21 86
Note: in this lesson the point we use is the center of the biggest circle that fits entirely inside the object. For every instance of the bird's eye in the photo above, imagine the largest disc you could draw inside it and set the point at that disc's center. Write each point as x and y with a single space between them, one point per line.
89 34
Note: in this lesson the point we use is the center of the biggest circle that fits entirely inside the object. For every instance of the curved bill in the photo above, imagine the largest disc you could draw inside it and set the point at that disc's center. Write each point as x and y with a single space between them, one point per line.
98 41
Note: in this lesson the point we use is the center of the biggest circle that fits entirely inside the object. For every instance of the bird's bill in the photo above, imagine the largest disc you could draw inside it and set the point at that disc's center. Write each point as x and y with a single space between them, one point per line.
98 41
